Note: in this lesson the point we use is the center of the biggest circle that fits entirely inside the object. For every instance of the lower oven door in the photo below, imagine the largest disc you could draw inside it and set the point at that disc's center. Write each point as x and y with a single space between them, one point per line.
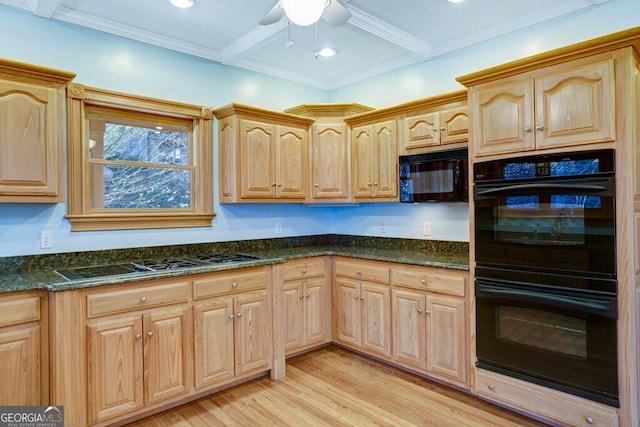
563 339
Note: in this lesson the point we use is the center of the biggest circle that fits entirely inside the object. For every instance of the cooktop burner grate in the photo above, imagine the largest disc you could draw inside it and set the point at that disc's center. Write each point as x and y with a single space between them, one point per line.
166 264
221 258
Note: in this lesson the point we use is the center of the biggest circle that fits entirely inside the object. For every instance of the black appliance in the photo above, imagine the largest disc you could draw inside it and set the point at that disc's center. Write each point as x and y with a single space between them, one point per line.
546 288
434 177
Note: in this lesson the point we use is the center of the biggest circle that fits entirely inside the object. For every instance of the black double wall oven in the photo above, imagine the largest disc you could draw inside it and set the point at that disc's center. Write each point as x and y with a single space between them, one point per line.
546 288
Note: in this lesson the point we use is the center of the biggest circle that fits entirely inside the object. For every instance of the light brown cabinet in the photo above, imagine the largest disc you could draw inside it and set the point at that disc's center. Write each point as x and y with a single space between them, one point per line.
362 306
429 323
330 163
23 350
232 333
374 161
307 304
263 155
137 356
32 133
423 132
558 106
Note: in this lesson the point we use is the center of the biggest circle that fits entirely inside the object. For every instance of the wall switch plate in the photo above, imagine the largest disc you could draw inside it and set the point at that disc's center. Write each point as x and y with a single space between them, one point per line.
427 229
278 228
46 239
383 228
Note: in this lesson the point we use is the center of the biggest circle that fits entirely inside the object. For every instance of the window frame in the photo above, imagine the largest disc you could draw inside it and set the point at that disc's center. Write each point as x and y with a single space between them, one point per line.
82 215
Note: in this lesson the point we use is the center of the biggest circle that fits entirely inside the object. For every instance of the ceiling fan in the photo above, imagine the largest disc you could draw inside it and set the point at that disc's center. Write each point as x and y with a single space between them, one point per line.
307 12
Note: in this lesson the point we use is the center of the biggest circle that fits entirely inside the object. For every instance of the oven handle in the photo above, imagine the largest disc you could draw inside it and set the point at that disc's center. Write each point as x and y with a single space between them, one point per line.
546 186
607 306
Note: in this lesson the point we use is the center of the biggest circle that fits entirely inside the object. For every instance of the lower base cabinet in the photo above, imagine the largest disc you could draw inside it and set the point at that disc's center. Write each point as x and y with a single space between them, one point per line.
23 350
232 327
138 359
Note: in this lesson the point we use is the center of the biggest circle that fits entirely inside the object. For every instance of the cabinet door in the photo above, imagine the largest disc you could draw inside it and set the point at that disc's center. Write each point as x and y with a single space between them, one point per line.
115 379
454 125
330 162
445 331
376 318
166 334
252 332
347 313
20 366
294 301
228 158
576 106
214 342
385 160
504 120
362 161
29 152
422 131
257 160
316 313
292 163
409 322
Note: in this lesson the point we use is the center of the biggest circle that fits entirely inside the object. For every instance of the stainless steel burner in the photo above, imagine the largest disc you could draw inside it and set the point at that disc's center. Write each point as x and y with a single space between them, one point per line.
221 258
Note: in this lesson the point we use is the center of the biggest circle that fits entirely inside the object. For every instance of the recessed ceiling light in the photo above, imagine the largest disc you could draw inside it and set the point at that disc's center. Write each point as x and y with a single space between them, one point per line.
455 1
326 52
183 4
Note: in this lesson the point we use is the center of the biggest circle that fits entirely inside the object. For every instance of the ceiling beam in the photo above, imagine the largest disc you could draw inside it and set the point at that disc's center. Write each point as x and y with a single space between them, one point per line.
45 8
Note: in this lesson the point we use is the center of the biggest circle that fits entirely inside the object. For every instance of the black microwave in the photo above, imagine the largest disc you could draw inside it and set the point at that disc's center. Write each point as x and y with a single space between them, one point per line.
434 177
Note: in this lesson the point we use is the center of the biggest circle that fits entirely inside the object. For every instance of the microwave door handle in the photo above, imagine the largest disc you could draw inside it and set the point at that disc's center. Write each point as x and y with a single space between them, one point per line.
559 186
606 308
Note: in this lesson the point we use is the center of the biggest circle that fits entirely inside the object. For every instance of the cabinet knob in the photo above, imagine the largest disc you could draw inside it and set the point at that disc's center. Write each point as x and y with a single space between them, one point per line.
358 272
369 184
423 281
138 336
419 311
442 129
589 420
150 334
491 387
435 129
304 270
315 185
527 129
239 315
143 299
231 316
427 312
301 296
539 128
307 296
375 184
279 184
273 184
235 285
361 298
355 297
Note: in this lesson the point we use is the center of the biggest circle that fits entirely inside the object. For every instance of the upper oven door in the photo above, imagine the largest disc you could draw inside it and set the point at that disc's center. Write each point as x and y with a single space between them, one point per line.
564 225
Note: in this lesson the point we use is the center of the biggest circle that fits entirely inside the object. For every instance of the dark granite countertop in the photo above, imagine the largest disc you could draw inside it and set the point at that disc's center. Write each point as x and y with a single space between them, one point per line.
30 273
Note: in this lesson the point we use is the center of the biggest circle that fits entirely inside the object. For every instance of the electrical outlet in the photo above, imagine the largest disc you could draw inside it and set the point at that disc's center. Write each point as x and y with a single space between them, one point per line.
427 229
46 239
383 228
278 228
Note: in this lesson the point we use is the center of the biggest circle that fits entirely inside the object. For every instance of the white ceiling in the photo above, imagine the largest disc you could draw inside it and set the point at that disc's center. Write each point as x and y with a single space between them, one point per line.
380 36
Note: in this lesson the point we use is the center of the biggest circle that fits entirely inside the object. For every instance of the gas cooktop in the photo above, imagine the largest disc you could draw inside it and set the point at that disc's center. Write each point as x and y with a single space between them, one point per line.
150 265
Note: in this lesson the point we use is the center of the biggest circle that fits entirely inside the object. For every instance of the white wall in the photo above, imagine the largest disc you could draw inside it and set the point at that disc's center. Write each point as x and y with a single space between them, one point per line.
115 63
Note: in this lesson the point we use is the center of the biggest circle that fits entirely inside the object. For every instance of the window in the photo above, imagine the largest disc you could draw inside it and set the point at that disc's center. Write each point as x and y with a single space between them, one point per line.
137 162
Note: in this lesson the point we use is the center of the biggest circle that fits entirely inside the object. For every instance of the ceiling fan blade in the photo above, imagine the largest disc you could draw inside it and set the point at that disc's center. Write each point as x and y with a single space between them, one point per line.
335 13
274 15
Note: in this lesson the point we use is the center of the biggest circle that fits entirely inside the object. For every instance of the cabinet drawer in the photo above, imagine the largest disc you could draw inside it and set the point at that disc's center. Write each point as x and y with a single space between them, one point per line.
551 404
140 297
225 283
19 311
363 270
303 268
430 279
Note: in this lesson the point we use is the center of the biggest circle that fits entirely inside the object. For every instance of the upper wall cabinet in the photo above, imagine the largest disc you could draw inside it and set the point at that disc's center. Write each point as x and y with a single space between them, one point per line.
330 169
263 155
434 129
32 136
568 104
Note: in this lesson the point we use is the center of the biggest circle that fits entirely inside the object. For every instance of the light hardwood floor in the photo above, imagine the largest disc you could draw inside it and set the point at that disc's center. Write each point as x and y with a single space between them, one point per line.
334 387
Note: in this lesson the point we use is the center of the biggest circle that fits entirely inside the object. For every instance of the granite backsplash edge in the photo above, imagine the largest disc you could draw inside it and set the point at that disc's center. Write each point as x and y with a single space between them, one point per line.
76 259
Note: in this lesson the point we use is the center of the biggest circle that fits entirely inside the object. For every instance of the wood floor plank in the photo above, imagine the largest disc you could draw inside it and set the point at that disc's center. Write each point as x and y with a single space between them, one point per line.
335 387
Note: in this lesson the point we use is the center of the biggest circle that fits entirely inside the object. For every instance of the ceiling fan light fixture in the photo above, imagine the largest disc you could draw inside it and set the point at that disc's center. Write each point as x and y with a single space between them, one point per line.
455 1
326 52
182 4
303 12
